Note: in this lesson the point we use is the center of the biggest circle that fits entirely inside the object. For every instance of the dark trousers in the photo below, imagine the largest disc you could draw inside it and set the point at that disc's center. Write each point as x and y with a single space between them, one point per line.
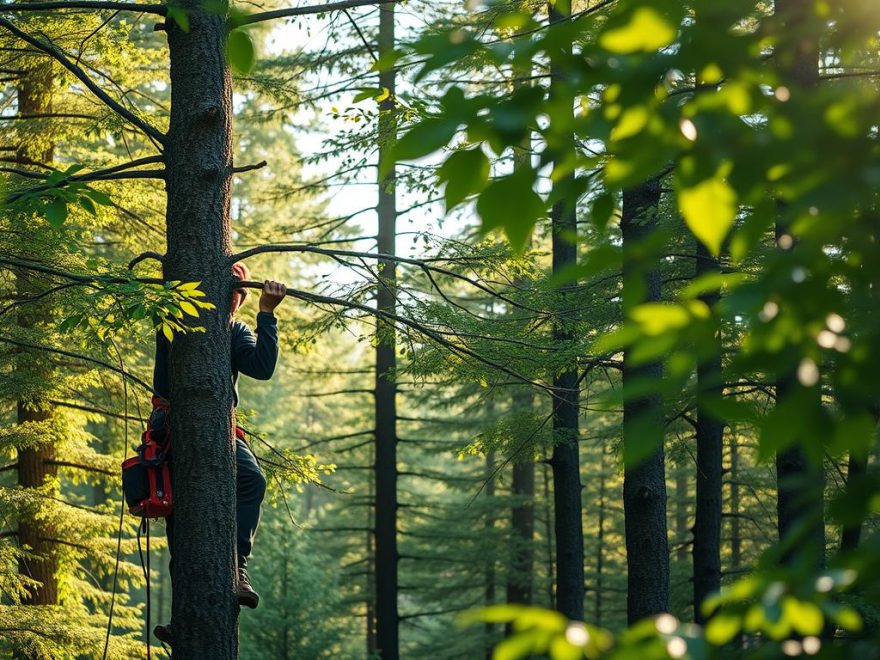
250 488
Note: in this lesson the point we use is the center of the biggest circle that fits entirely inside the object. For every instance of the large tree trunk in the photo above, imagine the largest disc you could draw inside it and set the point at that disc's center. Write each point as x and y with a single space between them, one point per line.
386 389
644 484
566 460
710 431
198 162
35 463
800 481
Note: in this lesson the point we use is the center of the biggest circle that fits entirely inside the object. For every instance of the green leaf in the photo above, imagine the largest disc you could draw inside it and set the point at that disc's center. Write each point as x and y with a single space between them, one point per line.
603 209
240 51
722 628
367 93
88 205
646 31
179 16
166 330
520 645
465 173
56 212
424 138
188 286
709 209
99 197
510 203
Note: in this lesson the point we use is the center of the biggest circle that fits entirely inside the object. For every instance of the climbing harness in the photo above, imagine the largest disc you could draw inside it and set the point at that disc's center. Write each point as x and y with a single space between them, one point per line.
146 477
146 486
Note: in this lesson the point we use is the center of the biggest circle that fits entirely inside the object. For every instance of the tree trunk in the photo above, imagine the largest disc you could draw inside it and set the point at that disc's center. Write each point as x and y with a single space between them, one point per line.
850 535
800 482
489 596
710 432
34 467
198 163
735 534
386 389
600 541
566 460
522 522
681 512
644 484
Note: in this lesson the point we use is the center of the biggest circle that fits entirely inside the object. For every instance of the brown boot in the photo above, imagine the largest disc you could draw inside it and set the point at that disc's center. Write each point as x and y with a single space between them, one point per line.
246 594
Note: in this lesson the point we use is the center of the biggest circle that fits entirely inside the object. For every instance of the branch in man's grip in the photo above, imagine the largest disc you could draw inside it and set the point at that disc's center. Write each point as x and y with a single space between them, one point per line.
425 265
305 296
433 335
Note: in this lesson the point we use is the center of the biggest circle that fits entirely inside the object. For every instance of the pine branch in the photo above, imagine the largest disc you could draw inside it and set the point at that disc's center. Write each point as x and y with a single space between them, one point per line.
56 54
108 173
78 356
423 264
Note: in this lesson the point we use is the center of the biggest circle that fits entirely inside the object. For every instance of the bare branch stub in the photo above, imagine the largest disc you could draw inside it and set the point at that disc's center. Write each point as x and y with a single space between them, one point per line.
144 256
248 168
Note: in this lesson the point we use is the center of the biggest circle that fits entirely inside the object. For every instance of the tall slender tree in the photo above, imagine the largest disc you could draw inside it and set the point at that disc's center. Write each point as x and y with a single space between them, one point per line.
386 555
644 485
710 454
565 460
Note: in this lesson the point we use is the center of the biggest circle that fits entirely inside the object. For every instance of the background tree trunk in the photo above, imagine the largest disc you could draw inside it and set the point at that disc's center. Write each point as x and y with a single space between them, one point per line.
34 463
566 460
644 484
386 389
710 432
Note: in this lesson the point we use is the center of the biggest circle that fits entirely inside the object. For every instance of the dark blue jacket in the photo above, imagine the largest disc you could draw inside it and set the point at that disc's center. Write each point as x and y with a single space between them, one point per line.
253 356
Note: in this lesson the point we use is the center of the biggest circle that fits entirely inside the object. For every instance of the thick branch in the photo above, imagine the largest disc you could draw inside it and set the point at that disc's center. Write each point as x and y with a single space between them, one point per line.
414 325
123 112
79 466
108 173
421 263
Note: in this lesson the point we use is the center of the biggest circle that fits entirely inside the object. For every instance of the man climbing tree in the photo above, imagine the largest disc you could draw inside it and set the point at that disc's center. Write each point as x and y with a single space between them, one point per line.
254 356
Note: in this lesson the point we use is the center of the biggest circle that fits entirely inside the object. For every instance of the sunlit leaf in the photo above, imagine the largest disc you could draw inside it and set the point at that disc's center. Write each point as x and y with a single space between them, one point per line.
240 51
709 209
646 31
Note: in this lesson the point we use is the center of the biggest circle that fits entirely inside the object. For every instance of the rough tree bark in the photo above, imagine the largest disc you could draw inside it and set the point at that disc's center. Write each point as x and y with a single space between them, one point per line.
644 484
565 460
710 431
34 463
198 160
800 481
386 556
